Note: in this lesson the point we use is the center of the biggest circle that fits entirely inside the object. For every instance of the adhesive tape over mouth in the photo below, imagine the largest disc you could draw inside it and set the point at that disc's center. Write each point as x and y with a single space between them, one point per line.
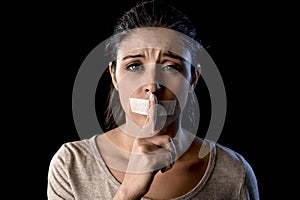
141 106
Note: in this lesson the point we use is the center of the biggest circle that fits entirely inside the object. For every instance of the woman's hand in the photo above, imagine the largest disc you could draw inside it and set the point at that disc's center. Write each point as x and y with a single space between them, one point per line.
149 156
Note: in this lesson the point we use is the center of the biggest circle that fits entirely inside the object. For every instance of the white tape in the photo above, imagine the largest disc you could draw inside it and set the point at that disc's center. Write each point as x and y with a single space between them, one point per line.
141 106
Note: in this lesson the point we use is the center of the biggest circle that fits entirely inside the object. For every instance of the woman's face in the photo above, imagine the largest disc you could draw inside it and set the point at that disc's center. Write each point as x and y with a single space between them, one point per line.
152 61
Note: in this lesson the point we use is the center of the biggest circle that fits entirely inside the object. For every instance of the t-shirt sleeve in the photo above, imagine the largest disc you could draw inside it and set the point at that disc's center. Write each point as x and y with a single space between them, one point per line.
58 182
249 189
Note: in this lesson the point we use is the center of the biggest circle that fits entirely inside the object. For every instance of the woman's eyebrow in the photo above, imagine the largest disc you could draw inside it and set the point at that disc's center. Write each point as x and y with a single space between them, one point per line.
133 56
162 55
172 56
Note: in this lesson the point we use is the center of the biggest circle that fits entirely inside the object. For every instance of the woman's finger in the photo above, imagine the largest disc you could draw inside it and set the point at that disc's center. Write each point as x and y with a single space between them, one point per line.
164 141
151 118
158 145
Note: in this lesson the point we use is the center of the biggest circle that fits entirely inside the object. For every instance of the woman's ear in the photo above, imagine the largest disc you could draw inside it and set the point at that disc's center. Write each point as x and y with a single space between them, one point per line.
112 71
195 77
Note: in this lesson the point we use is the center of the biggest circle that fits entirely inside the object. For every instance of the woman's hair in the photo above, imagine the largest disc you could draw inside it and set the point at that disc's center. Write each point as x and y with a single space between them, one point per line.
151 13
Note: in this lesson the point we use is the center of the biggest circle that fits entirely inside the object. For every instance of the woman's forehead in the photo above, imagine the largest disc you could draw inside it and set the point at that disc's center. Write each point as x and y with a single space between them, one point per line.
149 53
154 40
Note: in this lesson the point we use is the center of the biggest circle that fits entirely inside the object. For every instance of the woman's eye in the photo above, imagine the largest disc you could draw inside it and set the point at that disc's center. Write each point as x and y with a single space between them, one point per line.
135 67
174 68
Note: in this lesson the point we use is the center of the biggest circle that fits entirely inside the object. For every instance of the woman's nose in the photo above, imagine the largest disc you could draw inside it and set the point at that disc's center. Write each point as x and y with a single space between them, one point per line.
151 87
151 81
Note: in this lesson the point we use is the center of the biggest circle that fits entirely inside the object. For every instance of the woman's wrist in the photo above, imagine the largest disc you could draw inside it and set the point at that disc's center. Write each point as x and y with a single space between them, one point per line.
125 193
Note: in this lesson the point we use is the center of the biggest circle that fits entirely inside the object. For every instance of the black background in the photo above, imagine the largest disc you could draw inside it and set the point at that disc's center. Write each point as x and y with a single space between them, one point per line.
54 39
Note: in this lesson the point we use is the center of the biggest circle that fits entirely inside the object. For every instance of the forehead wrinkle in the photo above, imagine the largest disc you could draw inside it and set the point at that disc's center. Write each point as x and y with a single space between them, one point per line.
144 54
158 38
153 53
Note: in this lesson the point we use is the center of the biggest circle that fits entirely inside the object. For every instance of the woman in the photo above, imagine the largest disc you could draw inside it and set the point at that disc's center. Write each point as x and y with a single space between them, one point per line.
147 153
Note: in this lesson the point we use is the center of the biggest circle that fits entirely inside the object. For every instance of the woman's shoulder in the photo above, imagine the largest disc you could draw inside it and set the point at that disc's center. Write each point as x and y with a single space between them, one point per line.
76 149
223 159
228 155
233 168
230 162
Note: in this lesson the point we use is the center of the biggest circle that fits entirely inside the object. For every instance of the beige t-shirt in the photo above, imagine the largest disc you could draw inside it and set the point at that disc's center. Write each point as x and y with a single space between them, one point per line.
77 171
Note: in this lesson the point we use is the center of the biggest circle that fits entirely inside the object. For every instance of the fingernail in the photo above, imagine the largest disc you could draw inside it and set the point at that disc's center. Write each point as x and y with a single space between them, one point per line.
151 97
